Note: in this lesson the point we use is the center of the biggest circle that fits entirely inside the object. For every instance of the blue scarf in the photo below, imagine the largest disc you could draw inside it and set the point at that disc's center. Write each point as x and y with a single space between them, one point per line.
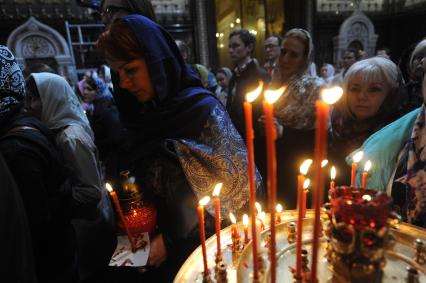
180 107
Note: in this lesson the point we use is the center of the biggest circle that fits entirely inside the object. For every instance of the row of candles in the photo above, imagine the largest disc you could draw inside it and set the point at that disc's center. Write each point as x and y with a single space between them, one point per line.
329 97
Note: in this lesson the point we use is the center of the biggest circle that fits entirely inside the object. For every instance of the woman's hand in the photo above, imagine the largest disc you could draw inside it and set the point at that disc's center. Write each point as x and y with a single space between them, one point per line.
157 253
278 127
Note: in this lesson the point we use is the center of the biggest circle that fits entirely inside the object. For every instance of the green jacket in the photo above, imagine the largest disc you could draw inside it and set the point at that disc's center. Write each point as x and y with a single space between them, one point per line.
382 149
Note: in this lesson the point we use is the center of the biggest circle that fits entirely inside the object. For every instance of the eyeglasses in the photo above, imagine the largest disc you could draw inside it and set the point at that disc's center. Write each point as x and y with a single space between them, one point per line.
110 10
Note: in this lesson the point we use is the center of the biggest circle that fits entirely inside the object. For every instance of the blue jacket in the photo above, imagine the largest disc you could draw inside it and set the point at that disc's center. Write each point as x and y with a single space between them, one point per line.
382 149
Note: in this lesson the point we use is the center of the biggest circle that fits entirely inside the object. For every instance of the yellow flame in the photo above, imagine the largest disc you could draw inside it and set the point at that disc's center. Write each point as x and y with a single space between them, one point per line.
262 216
258 207
306 183
245 220
217 189
279 208
331 95
324 163
305 166
252 95
232 217
366 197
367 166
358 156
333 173
108 187
204 201
273 95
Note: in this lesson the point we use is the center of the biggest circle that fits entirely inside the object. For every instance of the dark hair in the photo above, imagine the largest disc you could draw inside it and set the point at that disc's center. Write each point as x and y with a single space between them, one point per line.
37 68
92 83
119 42
246 37
387 50
354 51
31 87
140 7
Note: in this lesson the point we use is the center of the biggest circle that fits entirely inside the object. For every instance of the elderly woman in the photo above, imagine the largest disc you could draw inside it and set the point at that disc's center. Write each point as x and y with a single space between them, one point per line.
295 110
53 101
373 91
29 151
104 121
398 154
414 85
181 141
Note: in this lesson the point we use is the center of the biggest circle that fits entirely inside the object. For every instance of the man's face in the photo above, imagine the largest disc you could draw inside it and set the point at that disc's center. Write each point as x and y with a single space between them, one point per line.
348 59
272 48
114 9
238 51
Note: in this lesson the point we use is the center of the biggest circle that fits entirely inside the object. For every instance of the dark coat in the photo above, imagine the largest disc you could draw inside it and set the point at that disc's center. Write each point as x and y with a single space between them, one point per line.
37 168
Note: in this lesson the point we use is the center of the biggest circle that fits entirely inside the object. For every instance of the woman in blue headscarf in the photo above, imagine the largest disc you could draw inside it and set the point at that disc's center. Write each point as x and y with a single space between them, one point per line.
181 141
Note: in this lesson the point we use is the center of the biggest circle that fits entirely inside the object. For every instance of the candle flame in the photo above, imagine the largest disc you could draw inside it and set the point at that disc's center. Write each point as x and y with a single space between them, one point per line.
306 183
262 216
134 212
204 201
251 96
358 156
232 217
331 95
217 189
108 187
366 197
258 207
245 220
367 166
305 166
271 96
279 208
324 163
333 173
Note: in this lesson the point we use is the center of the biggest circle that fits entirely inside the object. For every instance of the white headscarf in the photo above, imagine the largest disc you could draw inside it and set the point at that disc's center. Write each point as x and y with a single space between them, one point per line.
60 105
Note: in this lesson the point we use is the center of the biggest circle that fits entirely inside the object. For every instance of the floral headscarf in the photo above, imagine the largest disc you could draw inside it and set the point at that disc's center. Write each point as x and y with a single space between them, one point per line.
12 83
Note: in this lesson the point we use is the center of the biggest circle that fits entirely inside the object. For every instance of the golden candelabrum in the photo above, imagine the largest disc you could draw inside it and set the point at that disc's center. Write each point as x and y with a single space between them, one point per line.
358 234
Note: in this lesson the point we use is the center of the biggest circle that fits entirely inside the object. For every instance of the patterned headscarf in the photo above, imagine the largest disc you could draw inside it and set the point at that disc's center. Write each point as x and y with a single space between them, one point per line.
12 83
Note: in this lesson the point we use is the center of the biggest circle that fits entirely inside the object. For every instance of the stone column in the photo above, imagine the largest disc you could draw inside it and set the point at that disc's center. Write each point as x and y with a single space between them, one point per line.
201 32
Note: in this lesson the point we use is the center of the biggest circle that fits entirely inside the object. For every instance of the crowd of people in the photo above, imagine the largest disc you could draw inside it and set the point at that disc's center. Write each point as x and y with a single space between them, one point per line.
177 126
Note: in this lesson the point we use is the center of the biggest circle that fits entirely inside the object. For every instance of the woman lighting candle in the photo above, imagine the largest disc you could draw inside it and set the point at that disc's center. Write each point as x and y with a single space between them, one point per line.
271 96
356 158
329 96
216 202
367 167
200 209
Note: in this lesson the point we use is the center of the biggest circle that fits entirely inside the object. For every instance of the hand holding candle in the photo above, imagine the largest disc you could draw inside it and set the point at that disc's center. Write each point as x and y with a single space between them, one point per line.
120 215
216 202
367 167
200 211
356 158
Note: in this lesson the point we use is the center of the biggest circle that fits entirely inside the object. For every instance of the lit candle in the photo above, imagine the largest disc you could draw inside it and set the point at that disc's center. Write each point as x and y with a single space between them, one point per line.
200 210
234 232
279 209
332 177
305 192
216 202
250 97
356 158
262 217
300 199
271 96
245 227
121 215
329 96
367 167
